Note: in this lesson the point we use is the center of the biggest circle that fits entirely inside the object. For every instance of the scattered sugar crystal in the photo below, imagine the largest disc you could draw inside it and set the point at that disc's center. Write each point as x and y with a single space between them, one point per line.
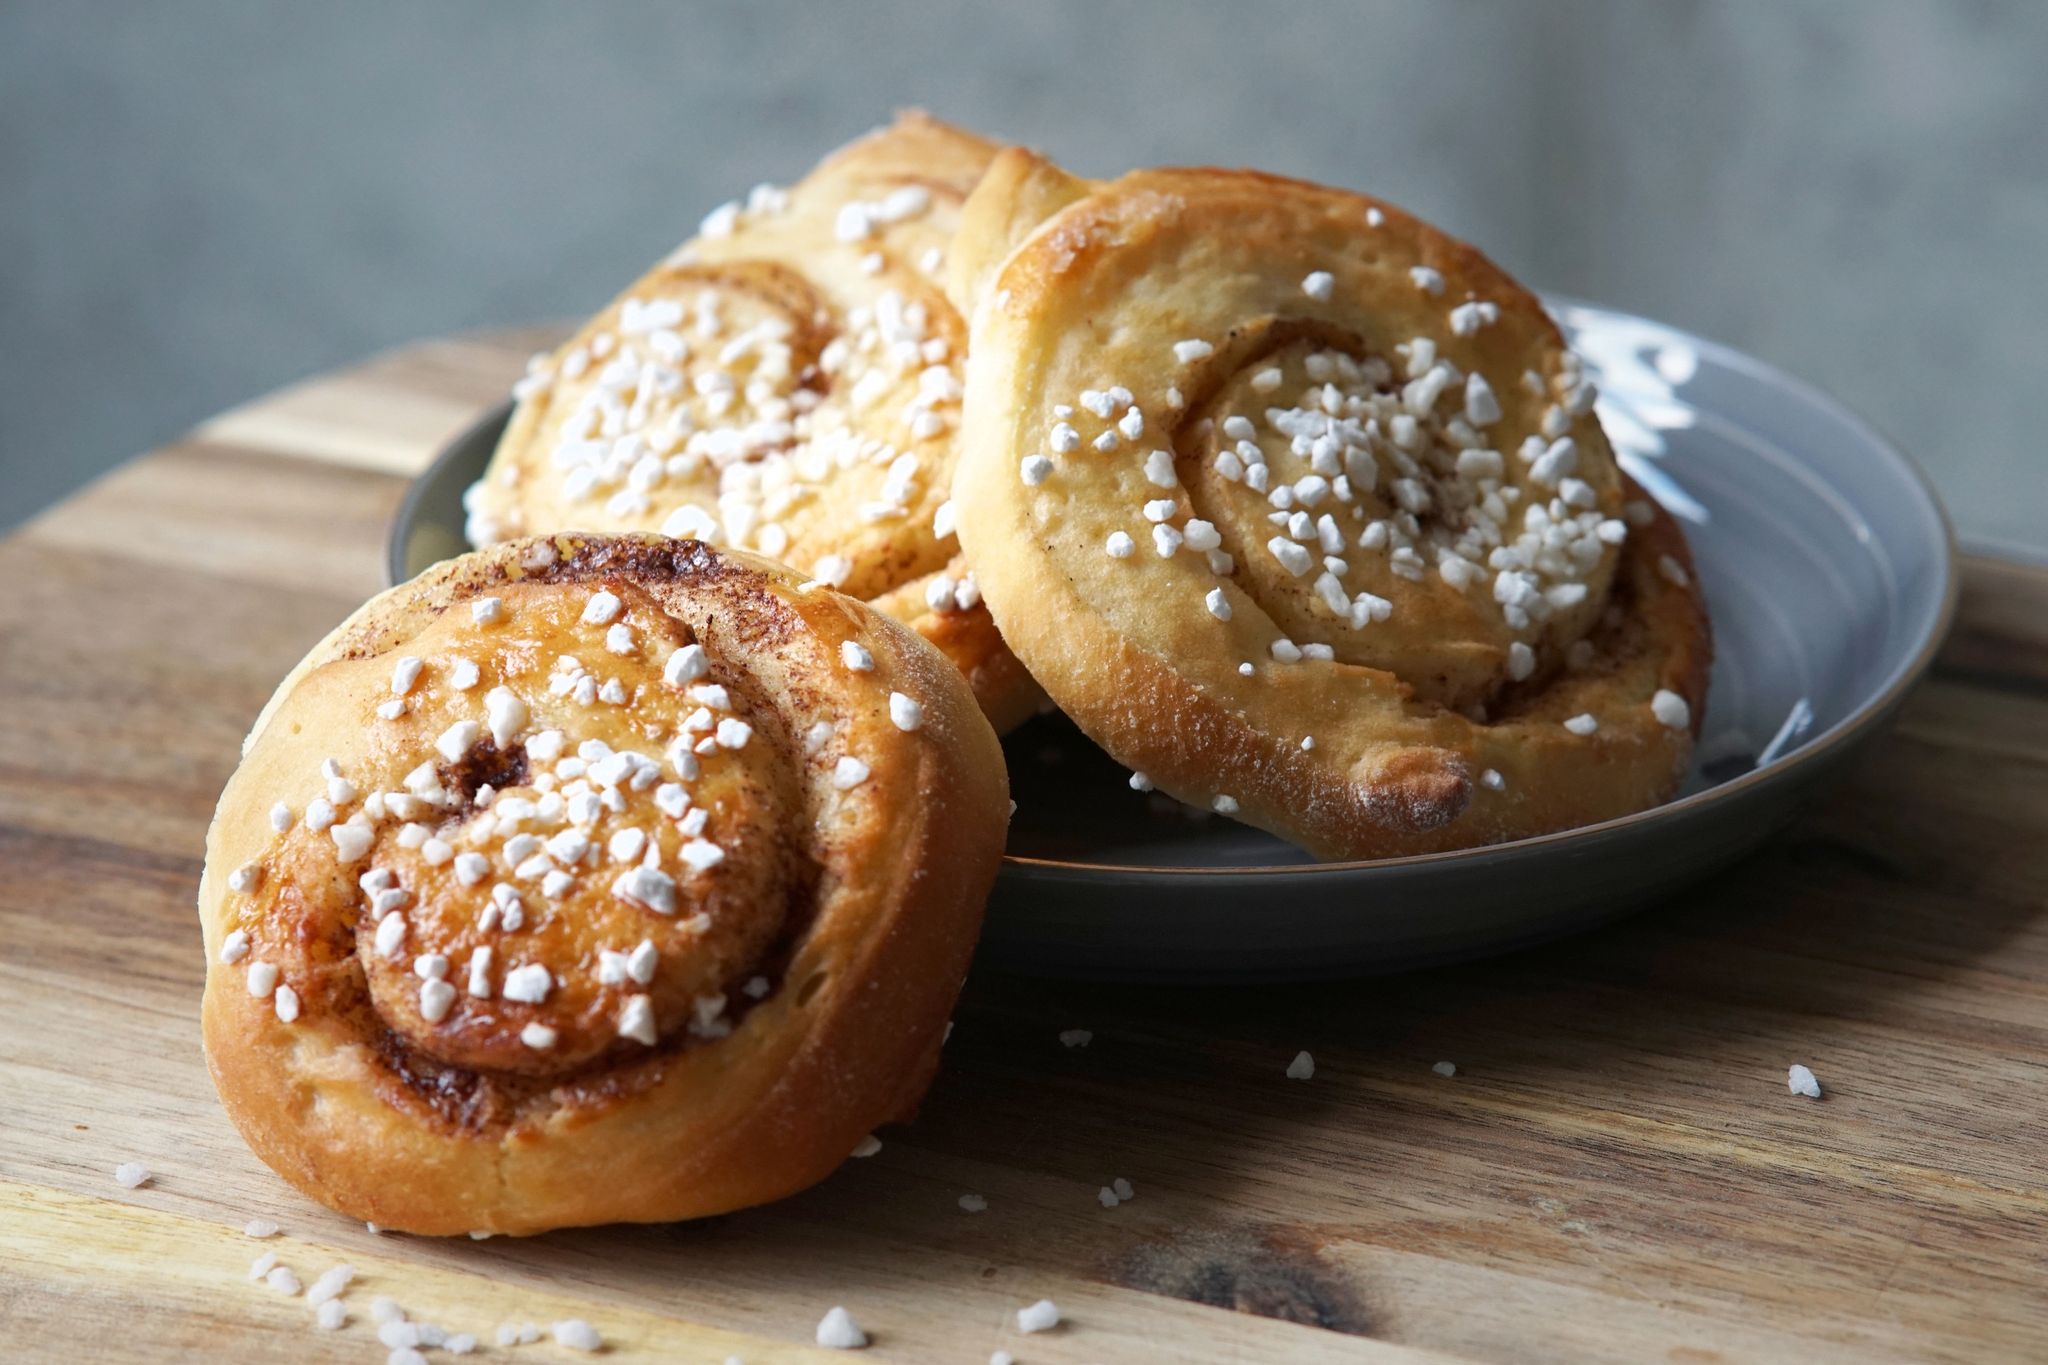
577 1335
330 1284
838 1330
1038 1317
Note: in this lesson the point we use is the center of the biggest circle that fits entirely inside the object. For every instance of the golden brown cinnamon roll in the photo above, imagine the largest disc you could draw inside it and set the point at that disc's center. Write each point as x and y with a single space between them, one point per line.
592 879
1300 508
786 382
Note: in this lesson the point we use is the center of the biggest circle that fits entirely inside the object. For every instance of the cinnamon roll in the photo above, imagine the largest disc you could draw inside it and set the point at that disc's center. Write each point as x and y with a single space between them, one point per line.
787 382
591 879
1301 509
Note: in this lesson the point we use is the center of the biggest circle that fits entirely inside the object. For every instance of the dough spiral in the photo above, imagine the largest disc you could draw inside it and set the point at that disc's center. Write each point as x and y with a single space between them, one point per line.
1300 508
592 879
787 382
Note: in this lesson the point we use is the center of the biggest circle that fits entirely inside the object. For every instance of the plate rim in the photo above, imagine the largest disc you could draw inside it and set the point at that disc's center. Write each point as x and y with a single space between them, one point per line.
1870 712
408 513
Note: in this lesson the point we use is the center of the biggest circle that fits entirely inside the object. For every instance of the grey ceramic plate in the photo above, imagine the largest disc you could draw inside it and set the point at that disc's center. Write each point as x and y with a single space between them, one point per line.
1827 566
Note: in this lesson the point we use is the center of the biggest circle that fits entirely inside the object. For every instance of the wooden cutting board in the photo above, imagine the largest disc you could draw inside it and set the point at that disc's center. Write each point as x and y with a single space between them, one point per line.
1616 1172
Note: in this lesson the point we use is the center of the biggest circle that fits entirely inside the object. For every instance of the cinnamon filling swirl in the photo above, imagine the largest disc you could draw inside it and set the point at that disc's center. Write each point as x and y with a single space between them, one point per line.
566 846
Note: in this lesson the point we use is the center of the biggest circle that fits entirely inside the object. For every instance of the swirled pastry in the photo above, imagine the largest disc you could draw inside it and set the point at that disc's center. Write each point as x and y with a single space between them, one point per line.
591 879
1300 508
786 382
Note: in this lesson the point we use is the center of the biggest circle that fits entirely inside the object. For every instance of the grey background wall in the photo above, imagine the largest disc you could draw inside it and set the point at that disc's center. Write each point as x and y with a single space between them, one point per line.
201 201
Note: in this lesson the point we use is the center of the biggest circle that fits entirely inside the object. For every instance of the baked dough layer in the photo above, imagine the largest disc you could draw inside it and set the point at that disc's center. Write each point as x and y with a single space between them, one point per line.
1300 508
786 382
591 879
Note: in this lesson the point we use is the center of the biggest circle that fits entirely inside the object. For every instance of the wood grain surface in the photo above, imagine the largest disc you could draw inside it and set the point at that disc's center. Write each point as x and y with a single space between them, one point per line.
1616 1172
